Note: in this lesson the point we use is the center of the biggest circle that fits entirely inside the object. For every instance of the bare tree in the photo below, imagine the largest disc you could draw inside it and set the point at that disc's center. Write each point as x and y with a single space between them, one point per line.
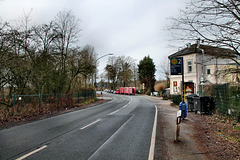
18 53
163 69
112 69
214 21
44 36
67 26
44 58
26 29
120 71
135 73
82 62
125 73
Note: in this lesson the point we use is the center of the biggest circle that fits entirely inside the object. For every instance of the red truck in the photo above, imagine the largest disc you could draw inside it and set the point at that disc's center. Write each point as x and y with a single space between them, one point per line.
127 90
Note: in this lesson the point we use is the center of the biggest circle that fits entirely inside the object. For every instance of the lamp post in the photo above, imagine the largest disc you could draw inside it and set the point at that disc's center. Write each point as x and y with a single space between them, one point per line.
202 79
110 54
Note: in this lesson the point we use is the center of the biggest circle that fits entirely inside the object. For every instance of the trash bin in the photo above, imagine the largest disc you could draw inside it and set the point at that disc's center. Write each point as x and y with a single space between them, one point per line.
207 104
204 100
183 108
196 103
212 105
190 101
204 104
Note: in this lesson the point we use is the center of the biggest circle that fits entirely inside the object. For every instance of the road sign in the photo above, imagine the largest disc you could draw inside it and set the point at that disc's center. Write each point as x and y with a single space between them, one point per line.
176 66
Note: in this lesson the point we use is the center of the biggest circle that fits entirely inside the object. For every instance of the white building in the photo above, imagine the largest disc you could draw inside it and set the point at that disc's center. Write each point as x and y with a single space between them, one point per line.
214 67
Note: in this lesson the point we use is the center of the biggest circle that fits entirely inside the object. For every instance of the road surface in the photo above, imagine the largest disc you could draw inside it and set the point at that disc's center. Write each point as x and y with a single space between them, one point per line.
119 129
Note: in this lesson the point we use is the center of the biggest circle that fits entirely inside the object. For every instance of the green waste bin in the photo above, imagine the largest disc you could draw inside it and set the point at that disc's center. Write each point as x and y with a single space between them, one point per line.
204 105
190 101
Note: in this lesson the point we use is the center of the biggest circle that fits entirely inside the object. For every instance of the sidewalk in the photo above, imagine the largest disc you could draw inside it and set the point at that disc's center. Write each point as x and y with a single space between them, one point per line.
202 137
166 148
103 96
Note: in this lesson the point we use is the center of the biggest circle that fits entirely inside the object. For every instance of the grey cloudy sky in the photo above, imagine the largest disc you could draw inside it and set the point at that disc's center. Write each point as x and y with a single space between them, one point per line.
132 28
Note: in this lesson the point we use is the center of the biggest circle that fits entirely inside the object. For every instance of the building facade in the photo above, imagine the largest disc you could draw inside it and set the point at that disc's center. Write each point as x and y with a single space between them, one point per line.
202 65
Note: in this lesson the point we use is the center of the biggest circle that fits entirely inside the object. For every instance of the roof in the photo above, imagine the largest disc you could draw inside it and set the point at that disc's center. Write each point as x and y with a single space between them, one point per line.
210 50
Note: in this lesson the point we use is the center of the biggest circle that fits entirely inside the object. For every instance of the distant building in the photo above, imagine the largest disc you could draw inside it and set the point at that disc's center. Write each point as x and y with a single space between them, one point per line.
214 69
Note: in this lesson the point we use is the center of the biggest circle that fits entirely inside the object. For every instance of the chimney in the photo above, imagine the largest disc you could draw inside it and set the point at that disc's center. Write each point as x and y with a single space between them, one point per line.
198 43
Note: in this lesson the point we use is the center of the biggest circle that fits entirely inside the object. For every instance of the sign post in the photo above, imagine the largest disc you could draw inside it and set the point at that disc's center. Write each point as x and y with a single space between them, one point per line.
177 68
143 85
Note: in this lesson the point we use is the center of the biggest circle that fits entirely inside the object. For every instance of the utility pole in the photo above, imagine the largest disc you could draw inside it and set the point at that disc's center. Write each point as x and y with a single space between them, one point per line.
202 79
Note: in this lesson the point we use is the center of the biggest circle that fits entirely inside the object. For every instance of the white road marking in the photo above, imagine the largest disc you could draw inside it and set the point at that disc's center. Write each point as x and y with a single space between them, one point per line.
113 112
130 101
90 124
111 100
124 106
127 104
110 138
31 153
152 147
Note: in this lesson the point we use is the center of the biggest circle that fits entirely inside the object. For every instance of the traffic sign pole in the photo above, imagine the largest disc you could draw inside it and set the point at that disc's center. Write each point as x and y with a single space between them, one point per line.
177 68
183 88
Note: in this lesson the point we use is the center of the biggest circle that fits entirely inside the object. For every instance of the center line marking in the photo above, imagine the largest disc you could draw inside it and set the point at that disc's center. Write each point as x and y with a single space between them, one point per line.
113 112
31 153
90 124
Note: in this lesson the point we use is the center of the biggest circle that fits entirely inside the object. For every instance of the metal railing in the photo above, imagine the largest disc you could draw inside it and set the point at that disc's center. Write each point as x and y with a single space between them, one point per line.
226 97
29 105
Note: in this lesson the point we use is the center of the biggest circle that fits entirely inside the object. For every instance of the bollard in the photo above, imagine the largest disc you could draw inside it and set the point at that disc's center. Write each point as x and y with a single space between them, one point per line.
178 121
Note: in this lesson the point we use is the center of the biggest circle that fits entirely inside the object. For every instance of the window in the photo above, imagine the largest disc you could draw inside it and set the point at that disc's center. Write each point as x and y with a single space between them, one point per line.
208 71
189 66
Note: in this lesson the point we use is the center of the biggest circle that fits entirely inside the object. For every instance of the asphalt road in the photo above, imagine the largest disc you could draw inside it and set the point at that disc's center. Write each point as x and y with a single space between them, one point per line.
119 129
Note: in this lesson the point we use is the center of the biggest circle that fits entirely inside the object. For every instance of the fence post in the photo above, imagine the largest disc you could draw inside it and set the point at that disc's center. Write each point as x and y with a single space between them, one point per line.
40 100
229 101
58 96
14 98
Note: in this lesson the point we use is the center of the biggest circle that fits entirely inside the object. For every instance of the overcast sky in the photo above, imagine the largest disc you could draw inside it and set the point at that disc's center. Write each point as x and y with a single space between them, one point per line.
132 28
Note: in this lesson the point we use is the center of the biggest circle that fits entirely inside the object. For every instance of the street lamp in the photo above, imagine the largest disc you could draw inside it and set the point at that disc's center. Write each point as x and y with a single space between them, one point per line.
110 54
202 79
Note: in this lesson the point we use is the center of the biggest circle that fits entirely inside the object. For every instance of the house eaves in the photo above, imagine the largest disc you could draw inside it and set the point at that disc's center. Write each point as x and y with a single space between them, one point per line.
210 50
189 50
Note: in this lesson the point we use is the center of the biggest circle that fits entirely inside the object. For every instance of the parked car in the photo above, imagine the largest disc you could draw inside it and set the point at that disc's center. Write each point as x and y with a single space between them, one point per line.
166 93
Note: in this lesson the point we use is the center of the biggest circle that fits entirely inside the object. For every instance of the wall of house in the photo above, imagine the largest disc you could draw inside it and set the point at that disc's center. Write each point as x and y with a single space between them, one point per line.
213 74
210 73
193 70
177 81
214 70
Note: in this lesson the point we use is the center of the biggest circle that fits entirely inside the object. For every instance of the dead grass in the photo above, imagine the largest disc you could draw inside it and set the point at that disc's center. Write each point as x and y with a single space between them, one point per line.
31 111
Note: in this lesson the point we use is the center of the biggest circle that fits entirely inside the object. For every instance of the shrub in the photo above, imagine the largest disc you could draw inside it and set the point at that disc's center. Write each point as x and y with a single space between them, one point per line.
148 92
176 99
160 87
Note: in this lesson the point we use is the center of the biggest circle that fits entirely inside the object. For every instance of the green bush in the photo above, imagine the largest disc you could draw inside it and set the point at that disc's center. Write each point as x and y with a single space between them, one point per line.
176 99
148 92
